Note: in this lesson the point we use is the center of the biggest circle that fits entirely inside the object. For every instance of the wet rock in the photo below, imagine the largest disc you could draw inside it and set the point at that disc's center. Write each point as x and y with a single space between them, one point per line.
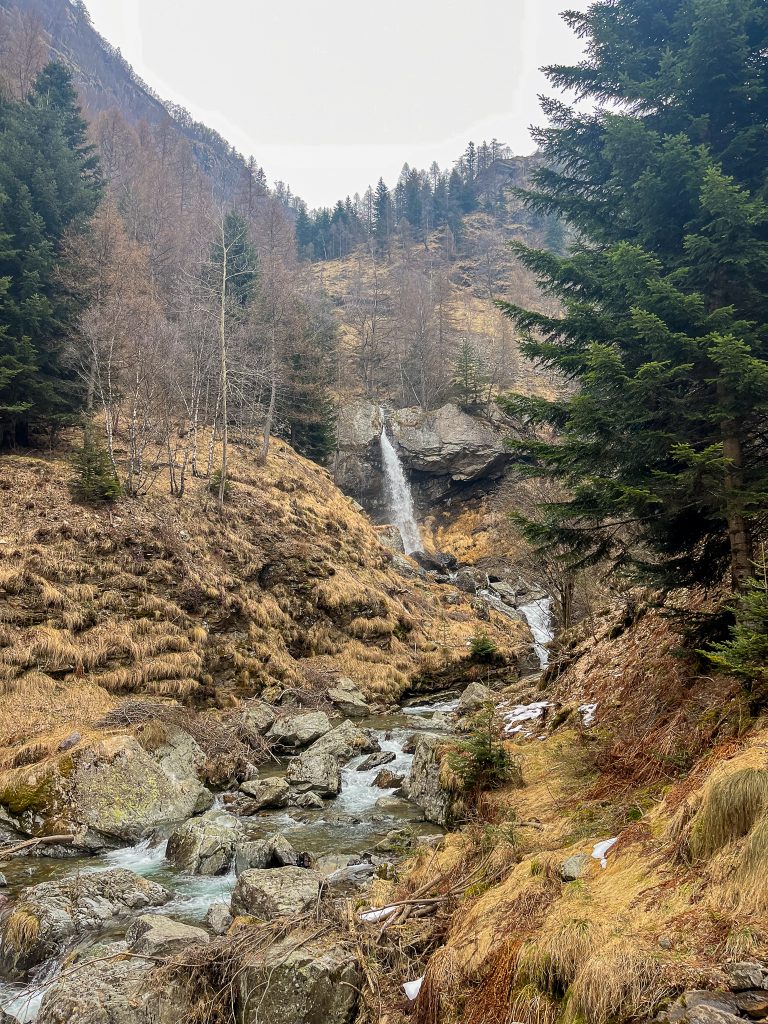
377 760
259 717
505 591
315 773
387 779
271 793
747 974
306 801
3 881
218 918
410 743
574 867
105 794
439 806
49 916
348 700
153 935
473 698
311 981
273 852
282 892
295 731
345 742
113 992
204 846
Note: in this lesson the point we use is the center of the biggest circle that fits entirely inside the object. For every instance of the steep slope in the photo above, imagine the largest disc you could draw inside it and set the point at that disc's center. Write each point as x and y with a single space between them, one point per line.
289 586
106 81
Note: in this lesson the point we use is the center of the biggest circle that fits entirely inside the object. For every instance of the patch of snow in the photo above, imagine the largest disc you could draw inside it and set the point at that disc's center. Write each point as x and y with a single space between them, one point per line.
412 988
588 714
372 916
521 713
600 851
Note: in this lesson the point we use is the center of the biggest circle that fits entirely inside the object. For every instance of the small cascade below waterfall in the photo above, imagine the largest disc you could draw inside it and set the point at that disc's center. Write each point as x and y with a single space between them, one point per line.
399 494
538 615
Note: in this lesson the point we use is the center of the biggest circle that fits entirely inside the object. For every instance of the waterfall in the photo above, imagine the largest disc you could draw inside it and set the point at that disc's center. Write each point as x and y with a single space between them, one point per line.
538 615
400 498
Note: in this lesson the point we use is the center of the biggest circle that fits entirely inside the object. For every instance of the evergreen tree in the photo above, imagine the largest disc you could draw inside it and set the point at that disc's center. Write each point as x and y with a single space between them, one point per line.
304 231
382 214
241 261
468 377
665 297
745 653
95 479
48 185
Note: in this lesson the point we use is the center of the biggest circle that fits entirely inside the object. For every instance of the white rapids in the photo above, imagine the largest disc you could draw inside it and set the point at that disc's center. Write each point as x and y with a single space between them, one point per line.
400 497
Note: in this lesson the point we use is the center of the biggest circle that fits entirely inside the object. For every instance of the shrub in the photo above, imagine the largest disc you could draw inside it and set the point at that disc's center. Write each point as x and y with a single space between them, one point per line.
482 761
95 479
482 648
214 484
746 651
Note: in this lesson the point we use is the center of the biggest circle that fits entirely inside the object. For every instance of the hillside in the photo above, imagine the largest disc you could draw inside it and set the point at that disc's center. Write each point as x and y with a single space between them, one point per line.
107 82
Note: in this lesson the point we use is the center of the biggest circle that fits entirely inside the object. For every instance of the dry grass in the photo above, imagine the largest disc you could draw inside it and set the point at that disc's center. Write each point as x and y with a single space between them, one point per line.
20 931
730 807
618 982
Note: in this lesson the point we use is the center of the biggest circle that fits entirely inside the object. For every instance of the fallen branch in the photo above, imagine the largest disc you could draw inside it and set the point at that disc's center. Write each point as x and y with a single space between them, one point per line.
8 851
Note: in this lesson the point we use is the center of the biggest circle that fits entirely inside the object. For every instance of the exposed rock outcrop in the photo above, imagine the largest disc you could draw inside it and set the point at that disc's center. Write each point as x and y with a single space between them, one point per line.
154 935
424 786
264 793
448 442
281 892
47 917
315 773
295 731
345 742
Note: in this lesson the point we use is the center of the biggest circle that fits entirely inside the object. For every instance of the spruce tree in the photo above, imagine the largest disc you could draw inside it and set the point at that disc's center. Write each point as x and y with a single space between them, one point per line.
664 326
48 185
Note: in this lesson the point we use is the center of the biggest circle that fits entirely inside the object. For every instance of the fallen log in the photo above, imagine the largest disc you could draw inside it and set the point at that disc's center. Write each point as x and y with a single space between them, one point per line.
8 851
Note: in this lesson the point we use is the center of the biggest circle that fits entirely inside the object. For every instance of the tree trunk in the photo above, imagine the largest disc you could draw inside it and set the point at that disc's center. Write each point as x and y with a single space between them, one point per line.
739 534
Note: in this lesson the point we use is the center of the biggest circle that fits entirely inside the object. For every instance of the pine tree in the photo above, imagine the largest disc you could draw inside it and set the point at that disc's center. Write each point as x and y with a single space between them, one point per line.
382 214
95 479
304 232
665 297
48 185
468 377
745 653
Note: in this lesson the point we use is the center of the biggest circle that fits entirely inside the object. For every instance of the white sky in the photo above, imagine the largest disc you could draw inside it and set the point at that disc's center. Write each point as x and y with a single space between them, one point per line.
329 94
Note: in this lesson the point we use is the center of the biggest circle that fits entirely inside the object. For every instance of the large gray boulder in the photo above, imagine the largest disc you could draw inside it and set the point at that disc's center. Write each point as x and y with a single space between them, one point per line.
206 845
424 787
266 793
301 981
473 698
281 892
108 793
258 717
292 732
348 699
154 935
448 442
345 742
113 992
273 852
51 915
314 773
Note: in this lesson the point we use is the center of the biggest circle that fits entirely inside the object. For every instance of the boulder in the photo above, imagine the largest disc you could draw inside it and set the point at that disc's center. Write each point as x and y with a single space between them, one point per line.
258 717
204 846
269 793
448 442
345 742
282 892
358 425
273 852
424 787
180 756
348 699
153 935
473 698
306 801
387 779
753 1003
302 980
746 974
295 731
113 992
315 773
218 918
377 760
106 794
51 915
574 867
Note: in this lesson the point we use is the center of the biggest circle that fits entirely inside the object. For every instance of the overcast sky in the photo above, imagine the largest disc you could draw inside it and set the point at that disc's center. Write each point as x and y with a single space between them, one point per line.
329 94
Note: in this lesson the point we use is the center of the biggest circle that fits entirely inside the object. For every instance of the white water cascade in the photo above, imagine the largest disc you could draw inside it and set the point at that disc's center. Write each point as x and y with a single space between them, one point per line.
400 498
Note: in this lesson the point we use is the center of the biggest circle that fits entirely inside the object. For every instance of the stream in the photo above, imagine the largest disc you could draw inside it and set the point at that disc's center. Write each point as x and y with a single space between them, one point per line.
353 823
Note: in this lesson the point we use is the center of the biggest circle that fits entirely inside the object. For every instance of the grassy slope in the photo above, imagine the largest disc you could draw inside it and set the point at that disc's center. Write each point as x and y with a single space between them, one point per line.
288 586
676 769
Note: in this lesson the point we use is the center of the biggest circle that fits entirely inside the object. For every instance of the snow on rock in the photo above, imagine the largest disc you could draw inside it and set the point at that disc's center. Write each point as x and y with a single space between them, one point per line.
412 988
588 714
521 713
600 851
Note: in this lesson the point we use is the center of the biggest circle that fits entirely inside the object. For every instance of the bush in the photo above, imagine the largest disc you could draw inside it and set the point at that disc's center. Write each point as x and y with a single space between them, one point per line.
482 648
746 651
95 480
482 761
214 484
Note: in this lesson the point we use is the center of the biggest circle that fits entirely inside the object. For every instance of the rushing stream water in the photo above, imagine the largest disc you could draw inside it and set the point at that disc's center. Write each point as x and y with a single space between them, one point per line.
351 824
